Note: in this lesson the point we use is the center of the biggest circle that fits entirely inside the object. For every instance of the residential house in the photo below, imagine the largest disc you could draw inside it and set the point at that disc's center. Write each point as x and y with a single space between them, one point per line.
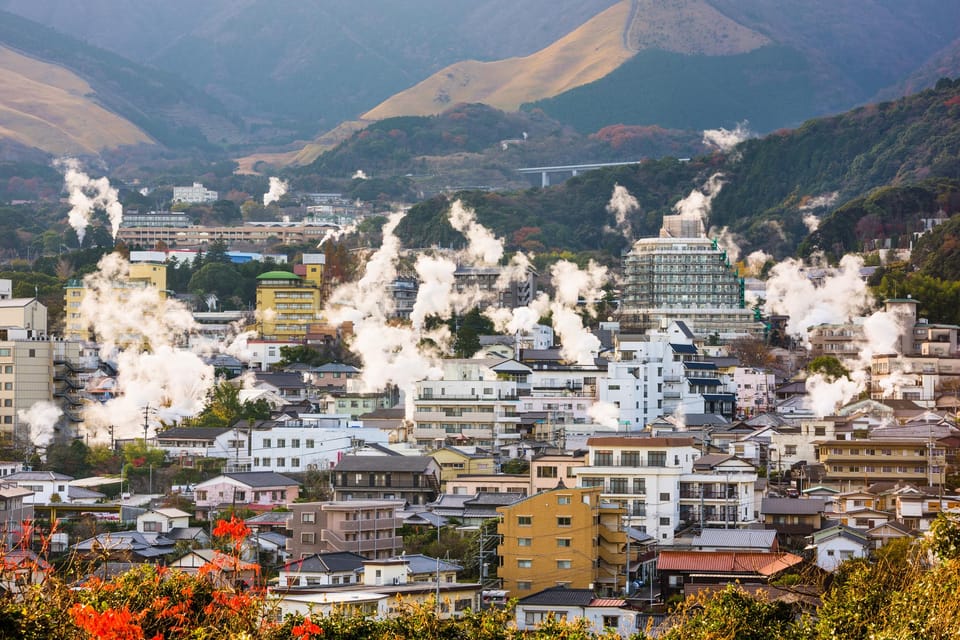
462 461
603 615
332 568
162 520
547 470
677 569
518 483
414 479
224 569
793 516
564 537
14 511
47 486
365 527
257 490
838 543
761 540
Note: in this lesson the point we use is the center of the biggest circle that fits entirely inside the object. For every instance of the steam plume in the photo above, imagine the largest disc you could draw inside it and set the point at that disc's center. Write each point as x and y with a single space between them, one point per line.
725 139
360 175
41 418
571 283
811 222
606 414
621 204
699 201
86 195
278 187
484 248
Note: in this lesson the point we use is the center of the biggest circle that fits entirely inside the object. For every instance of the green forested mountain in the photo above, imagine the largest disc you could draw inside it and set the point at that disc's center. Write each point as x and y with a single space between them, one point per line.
770 184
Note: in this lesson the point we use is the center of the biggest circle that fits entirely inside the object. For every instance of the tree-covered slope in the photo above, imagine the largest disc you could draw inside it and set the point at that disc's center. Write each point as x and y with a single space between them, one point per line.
770 184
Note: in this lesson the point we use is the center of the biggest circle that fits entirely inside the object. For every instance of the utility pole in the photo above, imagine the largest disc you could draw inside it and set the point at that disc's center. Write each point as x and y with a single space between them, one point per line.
146 423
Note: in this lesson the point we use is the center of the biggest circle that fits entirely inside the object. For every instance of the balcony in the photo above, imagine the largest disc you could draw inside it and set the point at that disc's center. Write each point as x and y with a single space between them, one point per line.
370 525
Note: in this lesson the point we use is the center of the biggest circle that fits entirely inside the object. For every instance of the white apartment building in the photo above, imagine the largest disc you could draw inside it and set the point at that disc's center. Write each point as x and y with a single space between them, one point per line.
196 194
665 485
754 390
476 402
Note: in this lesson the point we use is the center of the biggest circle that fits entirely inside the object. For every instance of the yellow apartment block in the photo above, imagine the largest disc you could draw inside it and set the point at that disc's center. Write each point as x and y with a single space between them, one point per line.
288 304
564 537
142 274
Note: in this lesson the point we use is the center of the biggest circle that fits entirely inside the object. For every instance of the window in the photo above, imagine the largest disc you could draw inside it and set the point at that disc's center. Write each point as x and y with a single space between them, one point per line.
618 485
281 443
524 585
611 622
266 443
294 462
308 517
307 537
664 497
603 458
295 443
152 526
266 462
563 499
630 459
240 495
309 442
524 542
563 542
790 450
665 522
546 472
639 485
564 521
524 563
656 458
524 521
564 564
8 386
281 462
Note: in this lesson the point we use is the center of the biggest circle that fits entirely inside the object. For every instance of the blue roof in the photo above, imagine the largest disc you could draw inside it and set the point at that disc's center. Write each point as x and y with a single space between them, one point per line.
683 348
706 366
720 397
705 381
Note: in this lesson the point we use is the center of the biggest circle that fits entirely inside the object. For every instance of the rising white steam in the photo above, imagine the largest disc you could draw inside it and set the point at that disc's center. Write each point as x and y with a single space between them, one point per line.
621 205
577 344
142 331
86 195
278 188
483 248
699 201
811 222
338 232
726 139
40 418
756 260
820 202
727 240
360 175
606 414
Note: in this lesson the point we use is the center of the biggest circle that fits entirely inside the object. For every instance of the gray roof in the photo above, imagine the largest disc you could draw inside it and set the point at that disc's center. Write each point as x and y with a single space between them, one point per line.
420 563
560 596
334 367
262 479
80 493
192 433
736 538
327 562
412 464
276 518
281 380
793 506
48 476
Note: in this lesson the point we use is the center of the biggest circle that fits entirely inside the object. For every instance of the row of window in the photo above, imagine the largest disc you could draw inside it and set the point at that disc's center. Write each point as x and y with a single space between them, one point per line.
837 451
523 563
872 469
281 462
309 443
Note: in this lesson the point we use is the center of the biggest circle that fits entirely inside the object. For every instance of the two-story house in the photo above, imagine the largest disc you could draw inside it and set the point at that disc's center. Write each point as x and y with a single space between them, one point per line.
257 490
413 479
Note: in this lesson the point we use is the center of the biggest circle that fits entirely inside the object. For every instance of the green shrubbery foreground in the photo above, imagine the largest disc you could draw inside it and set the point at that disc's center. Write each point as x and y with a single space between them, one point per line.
908 590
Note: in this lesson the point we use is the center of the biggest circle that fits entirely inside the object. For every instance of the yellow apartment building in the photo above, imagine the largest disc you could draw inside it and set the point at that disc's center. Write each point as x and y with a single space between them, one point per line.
455 462
142 274
564 537
287 304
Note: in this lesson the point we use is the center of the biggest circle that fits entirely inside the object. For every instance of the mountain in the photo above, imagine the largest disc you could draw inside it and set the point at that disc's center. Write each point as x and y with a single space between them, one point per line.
79 93
47 107
587 54
300 68
774 188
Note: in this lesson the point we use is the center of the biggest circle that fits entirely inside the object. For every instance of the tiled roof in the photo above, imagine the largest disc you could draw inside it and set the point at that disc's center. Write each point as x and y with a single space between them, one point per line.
560 596
765 564
262 479
607 602
743 538
415 464
793 506
639 441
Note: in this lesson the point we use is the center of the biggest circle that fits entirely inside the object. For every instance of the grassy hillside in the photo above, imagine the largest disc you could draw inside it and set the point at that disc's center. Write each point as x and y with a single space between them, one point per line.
161 105
47 107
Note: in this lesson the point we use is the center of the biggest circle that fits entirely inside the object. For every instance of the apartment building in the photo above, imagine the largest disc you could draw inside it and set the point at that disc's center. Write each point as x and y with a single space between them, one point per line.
194 194
564 537
665 485
413 479
365 527
861 462
476 403
141 275
288 304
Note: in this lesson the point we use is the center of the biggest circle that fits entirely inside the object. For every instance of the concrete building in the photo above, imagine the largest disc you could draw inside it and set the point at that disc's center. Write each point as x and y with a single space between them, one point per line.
141 274
287 304
176 219
365 527
25 313
665 485
251 234
255 490
565 537
683 275
195 194
413 479
474 403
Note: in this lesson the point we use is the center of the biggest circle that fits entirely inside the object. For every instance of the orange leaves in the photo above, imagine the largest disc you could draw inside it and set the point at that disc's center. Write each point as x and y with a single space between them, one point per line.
306 630
111 624
234 529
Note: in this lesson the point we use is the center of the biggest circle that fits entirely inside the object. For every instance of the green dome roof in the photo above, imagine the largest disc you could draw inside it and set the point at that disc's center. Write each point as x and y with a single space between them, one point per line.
278 275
